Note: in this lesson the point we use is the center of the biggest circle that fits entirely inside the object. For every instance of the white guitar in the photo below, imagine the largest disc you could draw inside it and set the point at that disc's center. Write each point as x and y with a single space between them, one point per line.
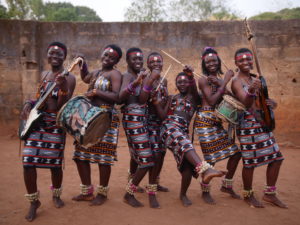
35 115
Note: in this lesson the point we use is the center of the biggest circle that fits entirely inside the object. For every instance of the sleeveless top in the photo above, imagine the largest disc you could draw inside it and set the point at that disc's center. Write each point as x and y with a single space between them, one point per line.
103 84
181 105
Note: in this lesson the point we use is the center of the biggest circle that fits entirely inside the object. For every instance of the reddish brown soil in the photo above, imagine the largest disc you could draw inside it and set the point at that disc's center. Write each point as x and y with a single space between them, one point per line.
228 211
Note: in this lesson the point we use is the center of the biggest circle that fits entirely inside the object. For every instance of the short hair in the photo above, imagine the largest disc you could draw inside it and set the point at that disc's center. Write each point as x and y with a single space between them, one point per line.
117 49
241 50
59 44
154 53
134 49
207 51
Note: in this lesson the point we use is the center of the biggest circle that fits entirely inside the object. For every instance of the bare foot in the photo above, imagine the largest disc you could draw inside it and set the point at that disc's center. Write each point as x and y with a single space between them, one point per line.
185 200
31 215
98 200
58 203
140 190
81 197
207 198
253 202
131 200
210 174
231 192
274 200
162 188
153 202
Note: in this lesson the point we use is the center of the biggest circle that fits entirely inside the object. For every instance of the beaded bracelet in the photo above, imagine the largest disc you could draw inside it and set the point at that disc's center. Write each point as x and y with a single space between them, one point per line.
31 102
147 88
63 93
130 88
250 94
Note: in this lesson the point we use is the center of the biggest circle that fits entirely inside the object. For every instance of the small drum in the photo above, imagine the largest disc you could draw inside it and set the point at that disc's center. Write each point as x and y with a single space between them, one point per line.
82 120
229 109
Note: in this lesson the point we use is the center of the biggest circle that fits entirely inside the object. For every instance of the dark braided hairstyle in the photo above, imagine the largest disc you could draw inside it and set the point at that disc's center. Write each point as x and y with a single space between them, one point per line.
117 49
207 51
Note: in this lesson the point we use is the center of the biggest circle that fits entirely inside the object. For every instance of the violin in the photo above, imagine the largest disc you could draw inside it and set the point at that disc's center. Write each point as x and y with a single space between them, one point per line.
267 111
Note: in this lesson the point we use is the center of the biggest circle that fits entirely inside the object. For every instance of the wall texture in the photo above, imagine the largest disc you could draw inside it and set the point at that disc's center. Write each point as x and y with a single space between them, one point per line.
23 54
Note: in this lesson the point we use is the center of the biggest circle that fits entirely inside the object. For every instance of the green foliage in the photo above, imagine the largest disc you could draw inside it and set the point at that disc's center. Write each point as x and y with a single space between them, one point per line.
37 10
145 11
3 12
178 10
283 14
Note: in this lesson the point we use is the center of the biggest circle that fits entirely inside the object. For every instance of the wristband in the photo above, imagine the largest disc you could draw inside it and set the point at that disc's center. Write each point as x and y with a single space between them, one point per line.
250 94
130 88
147 88
63 93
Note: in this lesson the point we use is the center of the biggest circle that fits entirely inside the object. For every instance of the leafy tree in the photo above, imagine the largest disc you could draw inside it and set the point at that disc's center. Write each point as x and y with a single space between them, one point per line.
37 10
283 14
18 9
3 12
196 10
145 11
178 10
86 14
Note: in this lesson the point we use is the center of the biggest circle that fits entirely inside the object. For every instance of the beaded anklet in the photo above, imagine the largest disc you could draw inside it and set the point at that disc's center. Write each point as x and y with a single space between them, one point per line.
248 193
101 190
270 190
151 189
205 187
86 189
202 167
131 188
56 191
33 196
227 183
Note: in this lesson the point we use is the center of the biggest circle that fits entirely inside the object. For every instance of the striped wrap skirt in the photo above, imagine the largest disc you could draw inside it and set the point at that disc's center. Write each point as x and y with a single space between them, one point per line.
258 146
45 146
105 151
213 138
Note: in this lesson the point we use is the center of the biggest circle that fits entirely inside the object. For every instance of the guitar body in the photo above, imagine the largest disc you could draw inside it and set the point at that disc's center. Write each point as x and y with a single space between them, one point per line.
268 114
27 126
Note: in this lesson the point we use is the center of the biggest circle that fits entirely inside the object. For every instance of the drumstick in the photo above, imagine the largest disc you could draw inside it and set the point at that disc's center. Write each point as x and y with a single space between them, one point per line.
176 60
222 61
163 77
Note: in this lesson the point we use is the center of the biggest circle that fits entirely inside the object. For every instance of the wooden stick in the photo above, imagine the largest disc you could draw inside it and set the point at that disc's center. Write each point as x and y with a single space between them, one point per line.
176 60
222 61
163 77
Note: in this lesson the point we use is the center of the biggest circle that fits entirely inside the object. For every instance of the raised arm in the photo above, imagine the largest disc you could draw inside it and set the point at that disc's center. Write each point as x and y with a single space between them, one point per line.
245 97
213 98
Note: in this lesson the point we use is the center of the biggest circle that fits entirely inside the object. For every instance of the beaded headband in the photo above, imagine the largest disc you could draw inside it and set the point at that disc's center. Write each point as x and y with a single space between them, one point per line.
111 50
209 54
56 47
155 58
136 53
243 56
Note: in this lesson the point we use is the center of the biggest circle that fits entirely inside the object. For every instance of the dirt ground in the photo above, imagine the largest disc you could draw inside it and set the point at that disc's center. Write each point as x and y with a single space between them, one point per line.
14 206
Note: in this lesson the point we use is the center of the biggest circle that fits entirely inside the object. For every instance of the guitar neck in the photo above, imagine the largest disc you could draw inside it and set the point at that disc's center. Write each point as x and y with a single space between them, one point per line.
48 92
255 57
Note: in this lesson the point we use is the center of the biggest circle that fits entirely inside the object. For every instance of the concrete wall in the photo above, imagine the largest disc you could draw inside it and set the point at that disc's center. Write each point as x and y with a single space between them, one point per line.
23 54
